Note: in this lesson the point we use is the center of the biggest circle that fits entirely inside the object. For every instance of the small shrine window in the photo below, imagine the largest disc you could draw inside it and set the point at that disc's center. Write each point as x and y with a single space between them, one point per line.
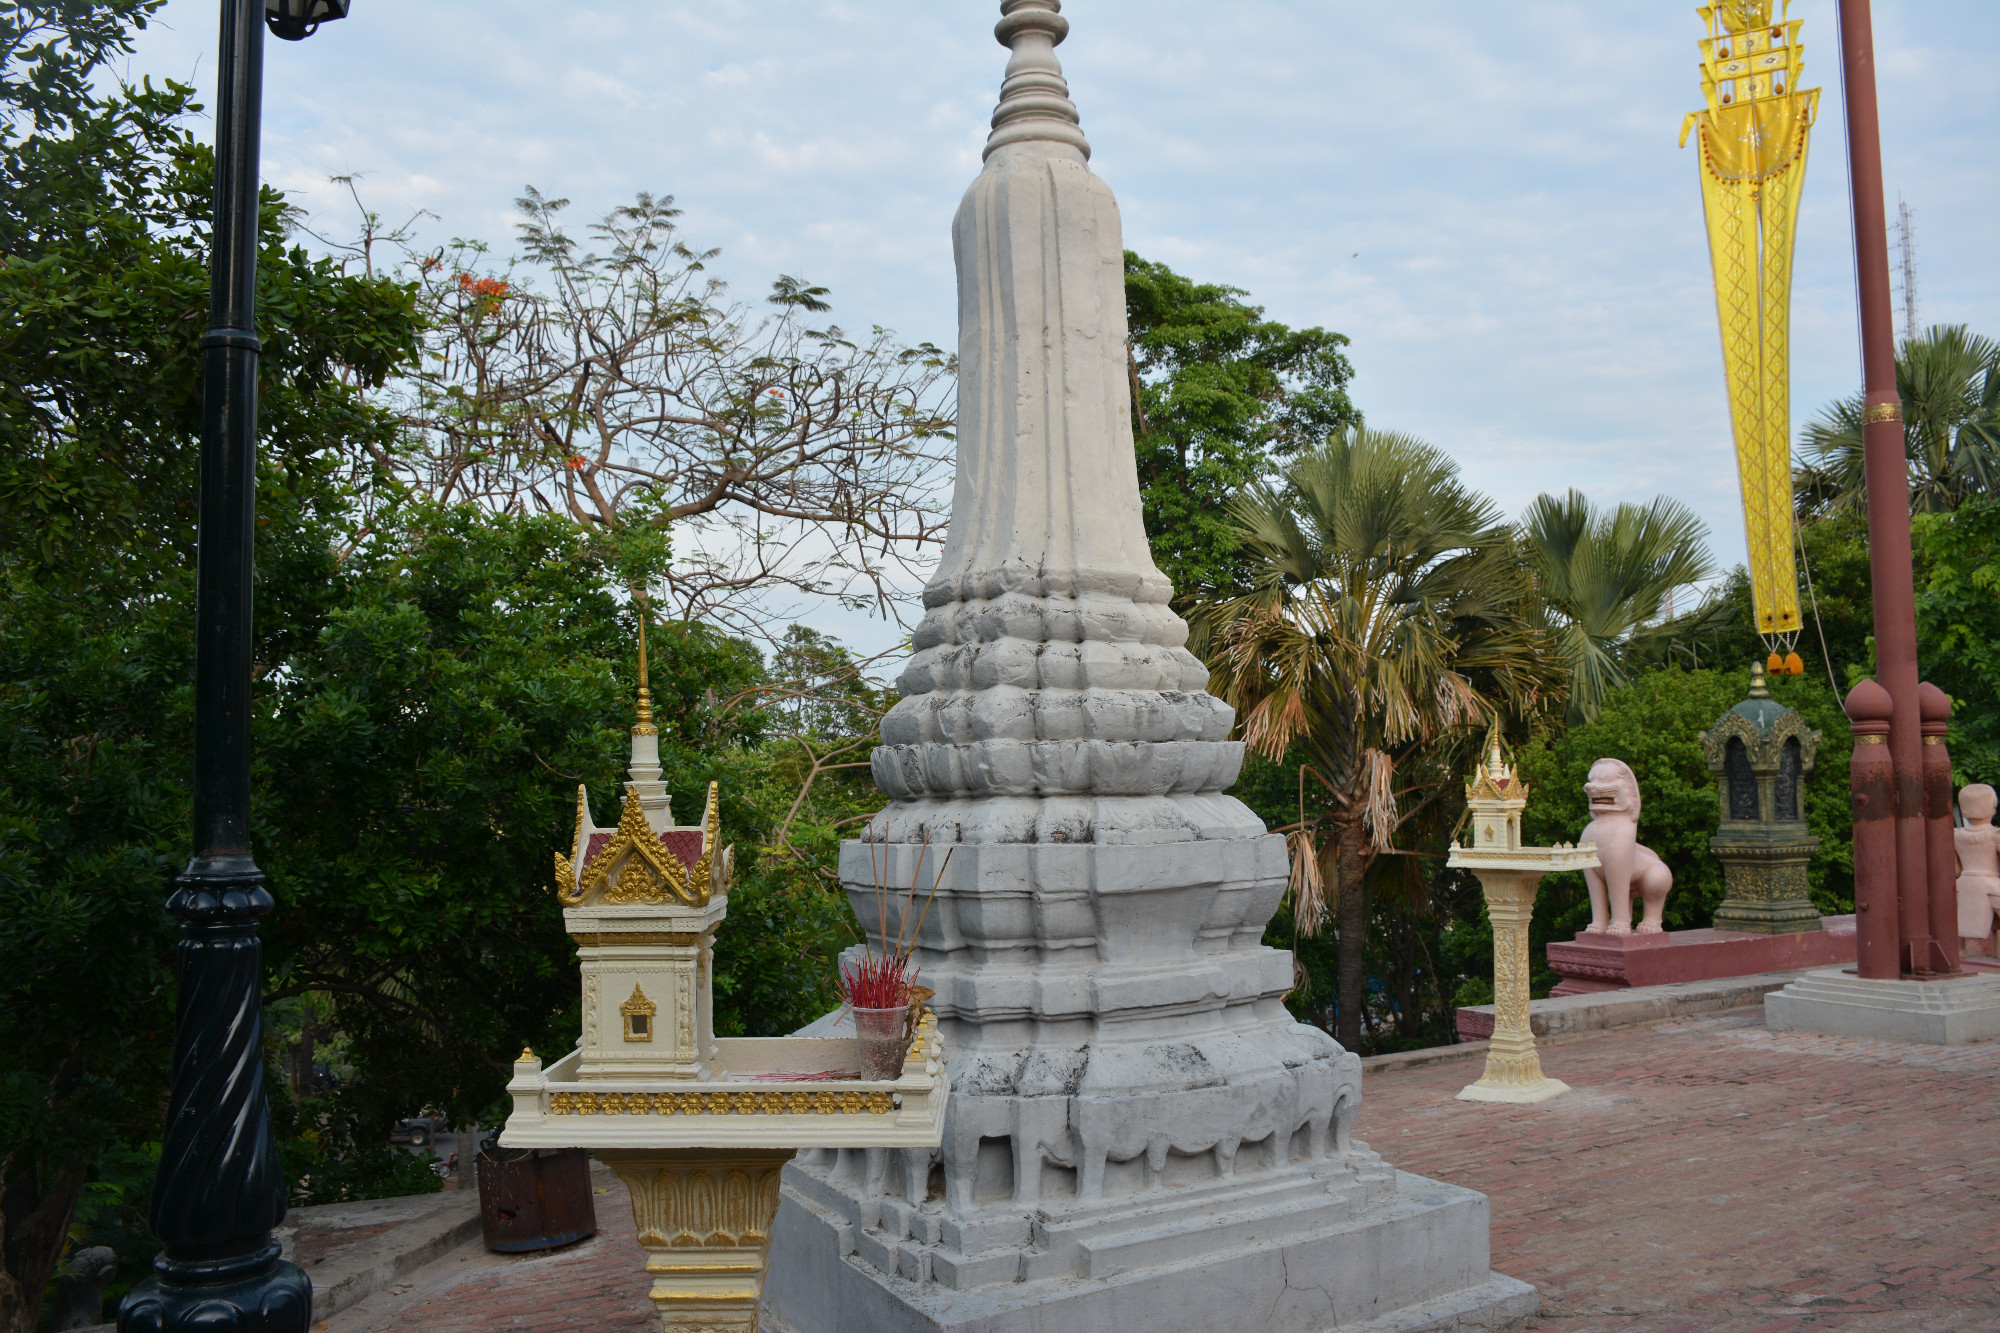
639 1013
1785 791
1742 780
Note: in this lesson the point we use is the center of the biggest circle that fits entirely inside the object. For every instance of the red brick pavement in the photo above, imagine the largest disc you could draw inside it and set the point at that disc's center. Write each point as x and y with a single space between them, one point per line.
1712 1177
596 1285
1703 1177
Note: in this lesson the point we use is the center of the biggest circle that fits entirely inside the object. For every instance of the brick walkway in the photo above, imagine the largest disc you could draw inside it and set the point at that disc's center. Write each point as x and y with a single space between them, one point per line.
599 1284
1703 1177
1712 1177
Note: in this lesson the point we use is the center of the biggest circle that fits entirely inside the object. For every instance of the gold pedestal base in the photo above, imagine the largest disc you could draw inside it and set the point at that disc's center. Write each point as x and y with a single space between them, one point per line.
1513 1072
704 1218
1518 1093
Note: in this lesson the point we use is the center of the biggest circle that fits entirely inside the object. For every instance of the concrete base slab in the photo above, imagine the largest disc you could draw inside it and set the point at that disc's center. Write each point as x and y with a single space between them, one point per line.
351 1250
1416 1261
1613 962
1513 1094
1939 1013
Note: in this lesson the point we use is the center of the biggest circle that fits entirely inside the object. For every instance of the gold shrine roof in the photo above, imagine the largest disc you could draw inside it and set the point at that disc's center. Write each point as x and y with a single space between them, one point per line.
633 864
1485 786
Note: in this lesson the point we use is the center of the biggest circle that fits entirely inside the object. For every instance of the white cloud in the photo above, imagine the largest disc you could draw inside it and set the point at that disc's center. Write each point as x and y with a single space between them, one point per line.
1488 199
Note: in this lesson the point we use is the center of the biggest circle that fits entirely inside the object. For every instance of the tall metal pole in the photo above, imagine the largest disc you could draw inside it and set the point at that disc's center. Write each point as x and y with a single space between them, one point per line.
1886 468
219 1192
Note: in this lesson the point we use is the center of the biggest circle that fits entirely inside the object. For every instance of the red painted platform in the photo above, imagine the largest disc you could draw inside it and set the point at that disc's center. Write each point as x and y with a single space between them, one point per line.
1614 962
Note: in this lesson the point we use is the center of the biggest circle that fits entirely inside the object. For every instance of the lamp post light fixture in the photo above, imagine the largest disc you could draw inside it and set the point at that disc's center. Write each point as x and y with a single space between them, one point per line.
219 1191
296 20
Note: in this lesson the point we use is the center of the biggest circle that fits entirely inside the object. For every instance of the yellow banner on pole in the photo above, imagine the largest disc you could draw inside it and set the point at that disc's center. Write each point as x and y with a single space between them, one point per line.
1753 138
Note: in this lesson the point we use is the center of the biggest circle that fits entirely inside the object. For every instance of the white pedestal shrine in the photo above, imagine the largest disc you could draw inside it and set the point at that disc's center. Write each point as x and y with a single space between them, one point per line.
1509 874
697 1127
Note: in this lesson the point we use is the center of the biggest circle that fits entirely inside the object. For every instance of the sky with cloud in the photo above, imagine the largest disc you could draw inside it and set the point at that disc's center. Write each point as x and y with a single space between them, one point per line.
1487 199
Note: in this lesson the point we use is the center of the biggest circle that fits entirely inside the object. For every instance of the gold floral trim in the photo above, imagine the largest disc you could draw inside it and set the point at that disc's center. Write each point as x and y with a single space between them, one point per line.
720 1103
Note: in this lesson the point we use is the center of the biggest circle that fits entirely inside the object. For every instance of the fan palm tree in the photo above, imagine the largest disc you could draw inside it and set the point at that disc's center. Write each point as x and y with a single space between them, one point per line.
1949 380
1389 620
1601 576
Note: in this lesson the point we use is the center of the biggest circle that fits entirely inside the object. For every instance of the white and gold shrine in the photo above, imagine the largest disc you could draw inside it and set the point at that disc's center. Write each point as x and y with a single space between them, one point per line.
698 1127
642 903
1509 875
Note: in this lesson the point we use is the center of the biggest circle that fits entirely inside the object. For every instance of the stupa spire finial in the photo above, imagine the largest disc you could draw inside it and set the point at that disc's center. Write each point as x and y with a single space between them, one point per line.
1034 97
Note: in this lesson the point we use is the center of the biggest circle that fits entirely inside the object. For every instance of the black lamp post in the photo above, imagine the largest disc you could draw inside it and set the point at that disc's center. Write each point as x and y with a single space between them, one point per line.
219 1191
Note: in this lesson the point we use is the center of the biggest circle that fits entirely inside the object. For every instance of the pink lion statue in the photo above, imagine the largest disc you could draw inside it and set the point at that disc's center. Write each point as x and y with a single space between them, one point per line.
1625 865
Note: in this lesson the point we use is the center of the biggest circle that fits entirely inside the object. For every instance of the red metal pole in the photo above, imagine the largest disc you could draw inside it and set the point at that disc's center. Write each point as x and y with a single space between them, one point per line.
1886 467
1939 846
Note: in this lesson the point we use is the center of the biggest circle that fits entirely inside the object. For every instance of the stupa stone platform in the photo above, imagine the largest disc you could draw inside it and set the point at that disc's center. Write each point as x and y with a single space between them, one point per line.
1749 1165
1611 962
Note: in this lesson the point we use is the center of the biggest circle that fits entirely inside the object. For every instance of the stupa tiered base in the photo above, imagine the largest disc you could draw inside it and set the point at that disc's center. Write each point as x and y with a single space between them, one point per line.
1343 1243
1945 1012
1614 962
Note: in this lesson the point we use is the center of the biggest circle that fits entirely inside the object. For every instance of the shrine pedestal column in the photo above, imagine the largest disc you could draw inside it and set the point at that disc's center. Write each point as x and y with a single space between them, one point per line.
1509 873
704 1218
1513 1069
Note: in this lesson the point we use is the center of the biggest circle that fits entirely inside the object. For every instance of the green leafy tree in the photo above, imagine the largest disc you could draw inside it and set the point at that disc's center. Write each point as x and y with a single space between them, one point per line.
1949 381
608 376
1958 629
1220 393
789 915
1837 642
104 289
419 759
1390 619
1602 576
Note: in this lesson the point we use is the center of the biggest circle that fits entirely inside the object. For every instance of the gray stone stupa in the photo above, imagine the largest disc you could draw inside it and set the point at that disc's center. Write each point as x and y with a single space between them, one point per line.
1139 1134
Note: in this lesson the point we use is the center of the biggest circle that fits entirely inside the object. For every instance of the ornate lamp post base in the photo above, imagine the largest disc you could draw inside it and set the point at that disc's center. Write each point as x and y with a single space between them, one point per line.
257 1293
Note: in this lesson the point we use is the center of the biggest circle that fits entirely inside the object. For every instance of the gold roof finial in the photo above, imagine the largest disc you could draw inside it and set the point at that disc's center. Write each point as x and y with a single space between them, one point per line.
1493 778
644 726
1496 761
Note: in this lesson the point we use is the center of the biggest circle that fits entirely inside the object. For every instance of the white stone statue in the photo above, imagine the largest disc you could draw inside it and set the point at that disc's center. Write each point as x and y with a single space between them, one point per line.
1978 845
1626 866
